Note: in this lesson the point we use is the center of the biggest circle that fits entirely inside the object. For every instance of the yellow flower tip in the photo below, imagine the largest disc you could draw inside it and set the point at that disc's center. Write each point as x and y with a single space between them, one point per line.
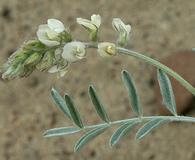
107 49
111 50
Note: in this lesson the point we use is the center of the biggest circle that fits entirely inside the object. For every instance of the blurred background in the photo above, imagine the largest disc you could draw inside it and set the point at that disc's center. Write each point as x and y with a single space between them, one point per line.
159 29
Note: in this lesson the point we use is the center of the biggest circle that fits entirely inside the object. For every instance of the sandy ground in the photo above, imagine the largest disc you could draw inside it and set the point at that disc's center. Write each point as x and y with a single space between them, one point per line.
26 110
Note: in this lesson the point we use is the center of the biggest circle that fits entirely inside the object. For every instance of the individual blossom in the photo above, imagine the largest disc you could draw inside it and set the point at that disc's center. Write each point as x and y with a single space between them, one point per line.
71 52
74 51
107 49
92 26
61 68
123 31
52 33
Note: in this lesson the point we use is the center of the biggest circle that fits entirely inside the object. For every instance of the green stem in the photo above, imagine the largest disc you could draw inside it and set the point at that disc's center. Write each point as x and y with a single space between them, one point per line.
159 65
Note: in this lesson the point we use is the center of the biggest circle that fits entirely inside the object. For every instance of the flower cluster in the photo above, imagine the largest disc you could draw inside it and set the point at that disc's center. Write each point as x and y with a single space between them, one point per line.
54 50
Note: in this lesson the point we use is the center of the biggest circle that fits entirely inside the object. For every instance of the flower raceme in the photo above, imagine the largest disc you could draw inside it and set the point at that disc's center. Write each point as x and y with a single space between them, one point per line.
54 50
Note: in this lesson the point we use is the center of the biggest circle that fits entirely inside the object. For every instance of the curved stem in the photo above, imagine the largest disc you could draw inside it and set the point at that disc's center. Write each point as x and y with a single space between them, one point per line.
159 65
153 62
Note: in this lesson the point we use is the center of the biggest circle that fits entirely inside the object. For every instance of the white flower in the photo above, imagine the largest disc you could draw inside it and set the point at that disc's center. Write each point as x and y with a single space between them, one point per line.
62 73
54 69
107 49
122 29
73 51
48 33
55 25
61 70
91 25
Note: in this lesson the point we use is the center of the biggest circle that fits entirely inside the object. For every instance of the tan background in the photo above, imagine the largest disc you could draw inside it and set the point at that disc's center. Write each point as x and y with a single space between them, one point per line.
26 110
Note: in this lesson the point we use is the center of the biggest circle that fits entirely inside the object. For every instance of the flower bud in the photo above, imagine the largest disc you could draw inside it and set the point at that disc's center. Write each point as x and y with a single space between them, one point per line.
14 66
73 51
33 45
13 72
107 49
54 69
123 30
33 59
91 25
46 62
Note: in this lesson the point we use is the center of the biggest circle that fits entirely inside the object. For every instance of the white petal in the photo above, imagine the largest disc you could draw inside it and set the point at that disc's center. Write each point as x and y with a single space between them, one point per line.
47 42
62 73
42 30
73 51
96 19
120 27
128 28
117 24
43 27
86 23
56 25
52 34
54 69
43 36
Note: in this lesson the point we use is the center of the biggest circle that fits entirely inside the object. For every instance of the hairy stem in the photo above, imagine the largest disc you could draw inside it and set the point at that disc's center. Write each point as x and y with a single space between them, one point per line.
159 65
